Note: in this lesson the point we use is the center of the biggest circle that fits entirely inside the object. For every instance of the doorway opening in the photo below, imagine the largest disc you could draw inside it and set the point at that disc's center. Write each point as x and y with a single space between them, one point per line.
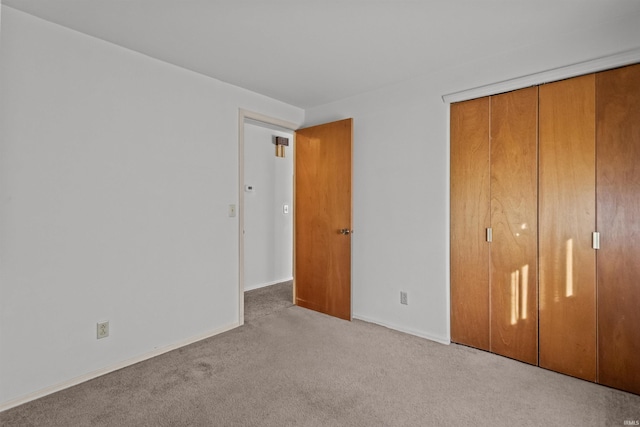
265 211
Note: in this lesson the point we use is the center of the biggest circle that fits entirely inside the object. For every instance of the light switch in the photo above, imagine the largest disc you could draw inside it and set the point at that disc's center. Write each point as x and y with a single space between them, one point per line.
232 211
285 209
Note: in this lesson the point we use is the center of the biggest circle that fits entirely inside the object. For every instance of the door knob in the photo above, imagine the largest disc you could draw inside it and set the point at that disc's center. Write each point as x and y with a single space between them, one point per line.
346 231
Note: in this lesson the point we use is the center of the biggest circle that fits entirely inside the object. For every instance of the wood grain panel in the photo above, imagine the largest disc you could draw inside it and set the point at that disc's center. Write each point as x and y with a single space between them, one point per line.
567 203
618 202
322 208
514 183
469 220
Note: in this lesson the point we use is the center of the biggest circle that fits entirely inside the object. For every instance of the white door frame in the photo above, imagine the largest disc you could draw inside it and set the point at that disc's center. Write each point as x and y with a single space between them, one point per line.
242 115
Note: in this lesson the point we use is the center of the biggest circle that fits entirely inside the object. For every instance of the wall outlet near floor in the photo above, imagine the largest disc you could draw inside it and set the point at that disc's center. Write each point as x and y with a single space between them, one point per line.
103 329
403 298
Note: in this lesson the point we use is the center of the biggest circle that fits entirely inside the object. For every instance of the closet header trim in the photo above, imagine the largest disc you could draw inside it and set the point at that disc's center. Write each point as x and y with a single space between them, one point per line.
619 59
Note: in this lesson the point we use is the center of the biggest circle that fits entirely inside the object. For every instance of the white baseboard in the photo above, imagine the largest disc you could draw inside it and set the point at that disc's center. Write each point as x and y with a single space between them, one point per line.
91 375
262 285
438 339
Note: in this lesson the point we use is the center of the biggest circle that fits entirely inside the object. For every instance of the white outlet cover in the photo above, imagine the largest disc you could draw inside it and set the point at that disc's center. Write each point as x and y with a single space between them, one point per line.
102 329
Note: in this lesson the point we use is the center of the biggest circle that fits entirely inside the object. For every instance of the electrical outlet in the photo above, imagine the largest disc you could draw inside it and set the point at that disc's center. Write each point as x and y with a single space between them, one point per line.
103 329
403 298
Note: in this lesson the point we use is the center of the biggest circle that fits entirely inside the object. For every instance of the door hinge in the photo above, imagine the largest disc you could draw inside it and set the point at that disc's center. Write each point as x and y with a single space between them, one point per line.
595 239
489 234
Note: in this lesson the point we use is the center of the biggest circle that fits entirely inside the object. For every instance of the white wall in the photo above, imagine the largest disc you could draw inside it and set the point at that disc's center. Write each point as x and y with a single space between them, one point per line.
401 175
116 172
268 238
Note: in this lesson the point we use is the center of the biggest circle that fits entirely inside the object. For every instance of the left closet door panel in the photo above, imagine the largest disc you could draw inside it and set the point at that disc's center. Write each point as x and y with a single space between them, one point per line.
469 220
514 207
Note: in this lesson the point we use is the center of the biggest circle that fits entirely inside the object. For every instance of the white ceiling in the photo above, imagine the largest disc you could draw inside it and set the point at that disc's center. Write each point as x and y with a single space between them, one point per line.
309 53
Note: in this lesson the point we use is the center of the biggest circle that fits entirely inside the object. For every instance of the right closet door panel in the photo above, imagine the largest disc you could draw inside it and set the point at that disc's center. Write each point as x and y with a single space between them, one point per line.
618 202
514 197
567 218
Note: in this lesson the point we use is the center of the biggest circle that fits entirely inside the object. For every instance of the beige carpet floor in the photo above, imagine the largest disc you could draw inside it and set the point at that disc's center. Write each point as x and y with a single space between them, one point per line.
295 367
268 300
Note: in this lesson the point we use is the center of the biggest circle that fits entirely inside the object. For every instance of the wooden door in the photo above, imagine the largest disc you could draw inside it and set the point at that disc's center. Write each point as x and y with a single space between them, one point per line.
514 197
567 219
322 272
618 203
469 221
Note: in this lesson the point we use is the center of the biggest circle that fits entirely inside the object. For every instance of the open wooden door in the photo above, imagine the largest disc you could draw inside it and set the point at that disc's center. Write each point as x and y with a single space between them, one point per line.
322 237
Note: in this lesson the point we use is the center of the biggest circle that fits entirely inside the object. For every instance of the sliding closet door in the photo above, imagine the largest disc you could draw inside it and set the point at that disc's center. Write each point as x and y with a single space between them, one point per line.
514 196
469 220
567 311
618 189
